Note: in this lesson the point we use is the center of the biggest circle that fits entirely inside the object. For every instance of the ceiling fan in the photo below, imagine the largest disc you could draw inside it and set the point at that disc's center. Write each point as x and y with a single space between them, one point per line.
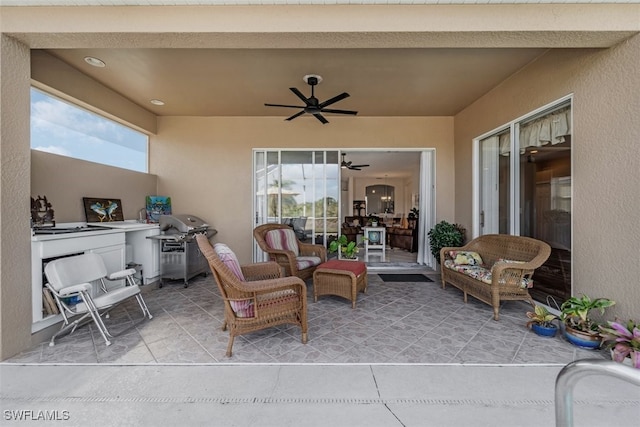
349 165
312 105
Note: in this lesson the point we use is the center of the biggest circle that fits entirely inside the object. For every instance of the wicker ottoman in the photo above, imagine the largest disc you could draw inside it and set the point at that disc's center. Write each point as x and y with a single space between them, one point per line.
342 278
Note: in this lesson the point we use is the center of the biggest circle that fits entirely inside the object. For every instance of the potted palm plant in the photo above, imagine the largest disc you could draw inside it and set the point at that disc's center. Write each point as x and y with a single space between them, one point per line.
579 328
623 339
345 248
541 321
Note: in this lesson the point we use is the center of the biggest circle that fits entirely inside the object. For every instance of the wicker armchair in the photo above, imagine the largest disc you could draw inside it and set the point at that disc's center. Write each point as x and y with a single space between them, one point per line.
263 300
510 261
303 265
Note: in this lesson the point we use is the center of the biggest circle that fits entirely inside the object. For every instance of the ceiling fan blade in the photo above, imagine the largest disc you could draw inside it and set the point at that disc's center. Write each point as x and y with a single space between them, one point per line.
359 166
295 115
321 118
333 100
353 168
281 105
328 110
300 95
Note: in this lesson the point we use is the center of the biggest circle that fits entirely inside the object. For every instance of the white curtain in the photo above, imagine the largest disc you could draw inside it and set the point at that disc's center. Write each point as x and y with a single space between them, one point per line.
426 203
549 129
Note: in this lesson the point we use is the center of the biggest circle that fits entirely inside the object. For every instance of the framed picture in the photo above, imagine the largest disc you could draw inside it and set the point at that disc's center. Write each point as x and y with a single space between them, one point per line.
102 210
156 206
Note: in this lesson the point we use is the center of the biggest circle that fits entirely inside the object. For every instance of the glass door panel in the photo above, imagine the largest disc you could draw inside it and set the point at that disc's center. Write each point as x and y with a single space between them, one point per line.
298 188
495 184
545 202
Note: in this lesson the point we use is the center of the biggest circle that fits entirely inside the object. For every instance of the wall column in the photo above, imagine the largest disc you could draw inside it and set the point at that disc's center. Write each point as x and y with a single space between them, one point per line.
15 183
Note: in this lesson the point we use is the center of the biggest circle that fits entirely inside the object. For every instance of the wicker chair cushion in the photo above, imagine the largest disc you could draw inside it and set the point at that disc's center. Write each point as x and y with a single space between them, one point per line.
303 262
482 274
356 268
466 258
229 259
244 307
282 239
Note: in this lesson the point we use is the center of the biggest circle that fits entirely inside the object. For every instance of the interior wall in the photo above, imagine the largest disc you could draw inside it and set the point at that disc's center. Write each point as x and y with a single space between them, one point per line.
399 195
65 181
205 163
606 200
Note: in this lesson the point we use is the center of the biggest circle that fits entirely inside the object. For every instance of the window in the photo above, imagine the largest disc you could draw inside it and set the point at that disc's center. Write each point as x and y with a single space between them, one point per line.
62 128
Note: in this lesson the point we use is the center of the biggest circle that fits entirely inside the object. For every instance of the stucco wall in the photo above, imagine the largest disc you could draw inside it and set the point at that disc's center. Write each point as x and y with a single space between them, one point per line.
15 252
205 164
59 78
606 164
65 181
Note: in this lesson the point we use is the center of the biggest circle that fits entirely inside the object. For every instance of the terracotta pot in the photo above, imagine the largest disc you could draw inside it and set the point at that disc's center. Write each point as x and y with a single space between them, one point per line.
582 339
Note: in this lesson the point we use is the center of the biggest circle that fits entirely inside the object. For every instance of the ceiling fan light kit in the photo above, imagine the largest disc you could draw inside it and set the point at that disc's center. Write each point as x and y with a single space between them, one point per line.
312 105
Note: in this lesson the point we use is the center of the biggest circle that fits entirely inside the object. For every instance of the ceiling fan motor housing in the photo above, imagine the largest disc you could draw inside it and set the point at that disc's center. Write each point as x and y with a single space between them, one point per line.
312 79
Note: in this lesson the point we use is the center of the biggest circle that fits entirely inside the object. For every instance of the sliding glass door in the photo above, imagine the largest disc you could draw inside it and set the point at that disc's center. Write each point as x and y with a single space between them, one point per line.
299 188
529 193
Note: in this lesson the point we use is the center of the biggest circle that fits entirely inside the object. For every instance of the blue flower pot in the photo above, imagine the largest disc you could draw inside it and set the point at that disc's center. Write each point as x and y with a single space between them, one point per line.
545 331
582 339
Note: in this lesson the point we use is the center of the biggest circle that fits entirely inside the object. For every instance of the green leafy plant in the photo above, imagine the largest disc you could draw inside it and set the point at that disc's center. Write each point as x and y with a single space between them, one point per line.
623 339
541 316
373 218
444 235
347 249
575 313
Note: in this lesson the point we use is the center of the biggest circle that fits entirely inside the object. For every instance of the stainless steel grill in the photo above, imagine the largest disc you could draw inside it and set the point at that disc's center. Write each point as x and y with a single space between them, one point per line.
180 257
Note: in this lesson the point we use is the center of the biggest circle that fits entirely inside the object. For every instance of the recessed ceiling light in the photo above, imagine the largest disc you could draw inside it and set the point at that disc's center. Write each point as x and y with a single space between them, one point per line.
157 102
94 61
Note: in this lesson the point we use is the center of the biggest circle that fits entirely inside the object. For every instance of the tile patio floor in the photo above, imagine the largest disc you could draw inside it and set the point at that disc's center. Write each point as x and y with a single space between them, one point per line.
395 323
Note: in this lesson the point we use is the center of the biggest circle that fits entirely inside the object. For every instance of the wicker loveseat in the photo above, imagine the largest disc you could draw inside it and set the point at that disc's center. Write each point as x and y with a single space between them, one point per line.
494 268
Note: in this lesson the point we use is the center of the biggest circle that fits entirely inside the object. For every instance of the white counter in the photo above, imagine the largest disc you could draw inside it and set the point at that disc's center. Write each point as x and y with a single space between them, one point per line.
131 225
139 249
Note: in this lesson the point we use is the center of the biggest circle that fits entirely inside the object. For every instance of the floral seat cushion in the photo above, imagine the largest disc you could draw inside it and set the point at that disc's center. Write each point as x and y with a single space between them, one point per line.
483 274
466 258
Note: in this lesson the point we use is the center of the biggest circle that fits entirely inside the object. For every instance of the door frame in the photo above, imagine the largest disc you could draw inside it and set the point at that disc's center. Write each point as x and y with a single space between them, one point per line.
427 192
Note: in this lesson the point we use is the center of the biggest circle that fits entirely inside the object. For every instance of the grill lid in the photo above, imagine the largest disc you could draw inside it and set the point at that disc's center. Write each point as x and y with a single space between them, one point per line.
182 223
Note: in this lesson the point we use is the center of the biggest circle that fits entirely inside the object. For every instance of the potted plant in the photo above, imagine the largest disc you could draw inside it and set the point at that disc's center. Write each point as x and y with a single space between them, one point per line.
579 328
348 250
443 235
623 339
413 213
541 321
373 220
